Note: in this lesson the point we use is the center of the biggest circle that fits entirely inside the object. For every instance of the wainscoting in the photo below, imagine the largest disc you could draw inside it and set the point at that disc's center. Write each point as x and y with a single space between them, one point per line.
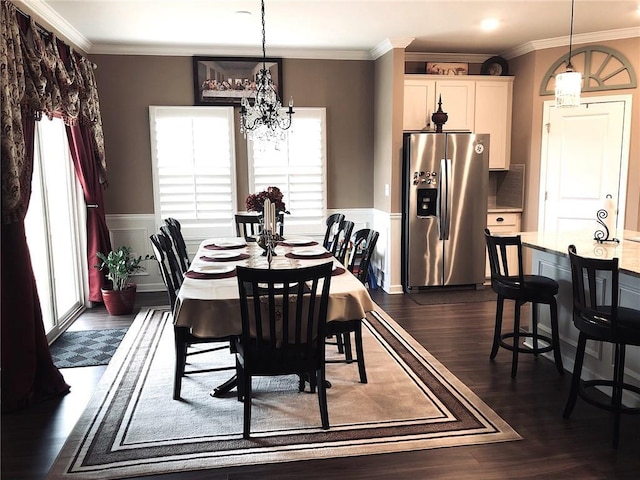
134 230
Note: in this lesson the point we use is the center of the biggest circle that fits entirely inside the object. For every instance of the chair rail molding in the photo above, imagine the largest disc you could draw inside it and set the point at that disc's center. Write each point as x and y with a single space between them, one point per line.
134 231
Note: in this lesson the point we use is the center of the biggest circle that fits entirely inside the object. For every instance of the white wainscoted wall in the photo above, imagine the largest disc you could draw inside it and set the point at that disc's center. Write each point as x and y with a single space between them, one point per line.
134 231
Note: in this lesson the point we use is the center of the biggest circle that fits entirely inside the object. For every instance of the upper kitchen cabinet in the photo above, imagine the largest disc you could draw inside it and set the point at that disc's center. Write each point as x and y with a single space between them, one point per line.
493 116
480 104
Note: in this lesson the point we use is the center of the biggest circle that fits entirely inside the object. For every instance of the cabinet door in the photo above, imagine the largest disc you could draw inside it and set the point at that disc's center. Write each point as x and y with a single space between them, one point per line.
493 116
458 101
505 224
418 103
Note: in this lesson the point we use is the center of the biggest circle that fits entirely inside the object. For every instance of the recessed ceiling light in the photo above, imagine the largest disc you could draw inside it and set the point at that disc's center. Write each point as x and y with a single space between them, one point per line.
489 24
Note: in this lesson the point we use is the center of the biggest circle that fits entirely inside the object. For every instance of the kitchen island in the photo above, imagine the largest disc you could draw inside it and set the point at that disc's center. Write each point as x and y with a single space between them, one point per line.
549 257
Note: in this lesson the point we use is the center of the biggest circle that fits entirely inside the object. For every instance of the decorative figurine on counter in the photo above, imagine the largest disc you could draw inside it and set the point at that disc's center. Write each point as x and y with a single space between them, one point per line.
602 236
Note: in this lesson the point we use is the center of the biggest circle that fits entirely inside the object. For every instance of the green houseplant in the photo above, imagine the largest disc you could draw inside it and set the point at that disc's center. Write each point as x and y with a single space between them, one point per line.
119 297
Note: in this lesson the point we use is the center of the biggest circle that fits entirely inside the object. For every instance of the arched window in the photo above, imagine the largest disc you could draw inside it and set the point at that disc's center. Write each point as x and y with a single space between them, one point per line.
602 68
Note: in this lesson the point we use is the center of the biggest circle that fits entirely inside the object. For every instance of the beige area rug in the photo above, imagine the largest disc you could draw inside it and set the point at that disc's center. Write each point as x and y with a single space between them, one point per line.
132 426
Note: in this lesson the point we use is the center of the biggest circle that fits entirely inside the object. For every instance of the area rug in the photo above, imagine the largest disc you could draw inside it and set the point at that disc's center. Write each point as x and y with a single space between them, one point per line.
132 427
86 348
438 296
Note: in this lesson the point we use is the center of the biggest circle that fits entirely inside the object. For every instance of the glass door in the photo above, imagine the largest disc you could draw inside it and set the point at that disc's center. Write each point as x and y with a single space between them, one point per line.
54 224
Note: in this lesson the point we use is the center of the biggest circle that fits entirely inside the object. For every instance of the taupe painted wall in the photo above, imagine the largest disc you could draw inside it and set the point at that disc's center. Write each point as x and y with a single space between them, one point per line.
128 85
528 105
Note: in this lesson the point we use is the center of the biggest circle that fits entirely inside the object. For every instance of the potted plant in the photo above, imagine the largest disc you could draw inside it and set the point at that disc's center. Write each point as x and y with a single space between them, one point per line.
119 297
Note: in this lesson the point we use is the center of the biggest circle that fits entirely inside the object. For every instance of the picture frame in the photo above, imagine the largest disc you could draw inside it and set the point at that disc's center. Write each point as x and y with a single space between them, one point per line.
225 80
447 68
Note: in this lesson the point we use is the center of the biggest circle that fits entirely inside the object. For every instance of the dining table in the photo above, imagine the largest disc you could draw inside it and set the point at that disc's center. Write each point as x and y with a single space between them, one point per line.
208 301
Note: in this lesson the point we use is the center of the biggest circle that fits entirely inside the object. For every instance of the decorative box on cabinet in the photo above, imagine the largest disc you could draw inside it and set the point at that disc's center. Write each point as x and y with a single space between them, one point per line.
506 224
480 104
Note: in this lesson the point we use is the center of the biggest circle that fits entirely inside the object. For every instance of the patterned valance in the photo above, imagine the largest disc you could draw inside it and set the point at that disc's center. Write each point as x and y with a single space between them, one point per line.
40 74
602 68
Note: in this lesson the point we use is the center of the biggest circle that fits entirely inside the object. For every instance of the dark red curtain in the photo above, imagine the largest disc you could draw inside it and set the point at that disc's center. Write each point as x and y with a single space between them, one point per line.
86 166
28 373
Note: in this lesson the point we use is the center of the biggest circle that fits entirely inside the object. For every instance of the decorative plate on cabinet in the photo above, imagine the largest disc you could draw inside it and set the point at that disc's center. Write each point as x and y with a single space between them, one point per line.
497 66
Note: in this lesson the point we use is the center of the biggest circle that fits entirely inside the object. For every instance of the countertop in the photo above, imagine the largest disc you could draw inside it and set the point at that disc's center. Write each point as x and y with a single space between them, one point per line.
498 209
627 251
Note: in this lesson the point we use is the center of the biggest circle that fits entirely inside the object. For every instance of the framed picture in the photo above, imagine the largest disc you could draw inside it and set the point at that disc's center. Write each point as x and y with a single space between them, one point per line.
441 68
225 80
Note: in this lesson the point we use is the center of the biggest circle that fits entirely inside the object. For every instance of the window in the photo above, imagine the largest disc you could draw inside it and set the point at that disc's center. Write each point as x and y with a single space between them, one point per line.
193 157
298 167
55 229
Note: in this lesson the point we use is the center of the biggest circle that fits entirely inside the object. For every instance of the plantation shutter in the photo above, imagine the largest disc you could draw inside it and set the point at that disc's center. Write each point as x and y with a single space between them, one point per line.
194 168
298 167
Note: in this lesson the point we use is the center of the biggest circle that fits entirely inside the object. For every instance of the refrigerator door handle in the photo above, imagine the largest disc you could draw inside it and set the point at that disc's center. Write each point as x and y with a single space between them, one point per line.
442 207
447 224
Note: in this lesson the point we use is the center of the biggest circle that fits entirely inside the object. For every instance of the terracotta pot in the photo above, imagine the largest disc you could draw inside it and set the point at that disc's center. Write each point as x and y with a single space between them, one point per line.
119 302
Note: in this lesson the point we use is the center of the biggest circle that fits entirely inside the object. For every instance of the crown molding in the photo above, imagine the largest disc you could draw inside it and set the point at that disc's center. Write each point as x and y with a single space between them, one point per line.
389 44
604 36
447 57
187 51
59 24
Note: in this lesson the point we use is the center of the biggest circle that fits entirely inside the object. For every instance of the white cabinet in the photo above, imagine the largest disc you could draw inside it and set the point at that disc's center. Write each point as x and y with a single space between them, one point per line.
480 104
421 100
493 116
504 224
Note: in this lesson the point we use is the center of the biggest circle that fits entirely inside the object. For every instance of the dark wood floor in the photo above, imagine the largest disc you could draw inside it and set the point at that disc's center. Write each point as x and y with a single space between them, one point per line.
459 336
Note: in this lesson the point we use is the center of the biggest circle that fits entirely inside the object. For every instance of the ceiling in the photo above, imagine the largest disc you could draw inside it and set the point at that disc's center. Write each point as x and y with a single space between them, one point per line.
330 28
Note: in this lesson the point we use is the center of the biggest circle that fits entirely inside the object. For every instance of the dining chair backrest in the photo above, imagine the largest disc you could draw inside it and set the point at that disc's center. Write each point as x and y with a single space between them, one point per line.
363 246
276 338
499 249
249 225
169 268
342 240
333 224
175 233
592 304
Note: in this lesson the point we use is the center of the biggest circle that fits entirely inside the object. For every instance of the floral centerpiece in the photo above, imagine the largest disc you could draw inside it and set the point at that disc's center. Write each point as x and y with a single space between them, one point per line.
255 201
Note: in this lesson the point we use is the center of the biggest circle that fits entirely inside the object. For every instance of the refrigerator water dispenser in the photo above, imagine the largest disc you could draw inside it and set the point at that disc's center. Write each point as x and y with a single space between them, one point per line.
427 200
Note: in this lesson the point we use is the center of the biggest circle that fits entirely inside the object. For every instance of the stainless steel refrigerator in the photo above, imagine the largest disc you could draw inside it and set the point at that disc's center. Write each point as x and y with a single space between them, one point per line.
446 177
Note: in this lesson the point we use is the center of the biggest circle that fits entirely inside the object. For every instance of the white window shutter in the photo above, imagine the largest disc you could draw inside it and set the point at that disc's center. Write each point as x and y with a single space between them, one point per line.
194 168
298 168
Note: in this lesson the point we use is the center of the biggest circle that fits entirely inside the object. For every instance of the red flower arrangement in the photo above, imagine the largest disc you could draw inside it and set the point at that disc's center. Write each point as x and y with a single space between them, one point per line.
255 201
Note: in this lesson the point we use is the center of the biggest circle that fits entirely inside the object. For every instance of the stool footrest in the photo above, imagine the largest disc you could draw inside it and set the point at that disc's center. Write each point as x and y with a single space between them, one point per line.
585 385
509 346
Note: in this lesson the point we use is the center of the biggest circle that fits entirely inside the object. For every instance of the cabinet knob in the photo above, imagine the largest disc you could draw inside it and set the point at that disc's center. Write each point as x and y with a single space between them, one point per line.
499 219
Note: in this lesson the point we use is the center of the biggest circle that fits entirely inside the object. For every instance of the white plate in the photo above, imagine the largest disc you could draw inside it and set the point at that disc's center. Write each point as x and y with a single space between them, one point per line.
309 252
213 269
222 255
230 243
277 286
298 241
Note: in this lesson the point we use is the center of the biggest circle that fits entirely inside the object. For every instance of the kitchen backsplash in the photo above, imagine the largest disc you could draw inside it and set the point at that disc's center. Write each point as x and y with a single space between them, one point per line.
506 189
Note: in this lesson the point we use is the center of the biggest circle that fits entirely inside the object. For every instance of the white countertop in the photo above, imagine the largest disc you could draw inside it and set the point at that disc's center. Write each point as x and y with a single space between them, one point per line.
627 251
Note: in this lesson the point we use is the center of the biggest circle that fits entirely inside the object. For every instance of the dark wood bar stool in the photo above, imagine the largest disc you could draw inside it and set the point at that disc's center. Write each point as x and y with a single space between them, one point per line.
521 288
597 315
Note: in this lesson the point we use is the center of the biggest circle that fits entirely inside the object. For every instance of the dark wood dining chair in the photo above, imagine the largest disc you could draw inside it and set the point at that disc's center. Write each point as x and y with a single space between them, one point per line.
183 339
248 225
363 245
174 229
342 240
510 283
283 341
598 316
333 224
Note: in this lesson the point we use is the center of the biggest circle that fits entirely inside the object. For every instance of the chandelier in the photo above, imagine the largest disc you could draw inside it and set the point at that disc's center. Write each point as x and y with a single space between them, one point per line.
569 83
263 118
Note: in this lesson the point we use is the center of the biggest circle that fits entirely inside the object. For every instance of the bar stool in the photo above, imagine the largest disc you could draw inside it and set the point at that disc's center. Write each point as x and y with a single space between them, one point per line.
521 288
597 315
